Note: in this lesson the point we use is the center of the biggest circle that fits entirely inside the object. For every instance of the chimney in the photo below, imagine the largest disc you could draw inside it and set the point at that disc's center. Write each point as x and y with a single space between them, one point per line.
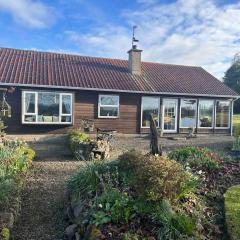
134 60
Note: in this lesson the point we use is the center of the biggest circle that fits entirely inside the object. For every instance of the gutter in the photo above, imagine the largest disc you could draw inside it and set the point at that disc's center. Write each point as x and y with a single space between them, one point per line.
117 90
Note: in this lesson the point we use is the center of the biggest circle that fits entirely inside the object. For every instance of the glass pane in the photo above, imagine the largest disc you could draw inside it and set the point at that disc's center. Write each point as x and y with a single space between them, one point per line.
222 114
150 105
29 118
66 104
48 107
169 114
66 119
108 111
205 113
188 113
29 102
109 100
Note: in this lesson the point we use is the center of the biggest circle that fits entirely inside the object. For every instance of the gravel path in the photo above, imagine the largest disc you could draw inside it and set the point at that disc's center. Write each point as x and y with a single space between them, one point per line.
43 199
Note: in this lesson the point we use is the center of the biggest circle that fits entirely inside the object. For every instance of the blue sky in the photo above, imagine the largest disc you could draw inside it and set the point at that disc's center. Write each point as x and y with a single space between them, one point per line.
191 32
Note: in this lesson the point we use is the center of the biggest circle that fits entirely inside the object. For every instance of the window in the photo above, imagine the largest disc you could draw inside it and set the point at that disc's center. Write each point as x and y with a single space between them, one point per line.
222 114
206 113
46 107
150 105
108 106
188 113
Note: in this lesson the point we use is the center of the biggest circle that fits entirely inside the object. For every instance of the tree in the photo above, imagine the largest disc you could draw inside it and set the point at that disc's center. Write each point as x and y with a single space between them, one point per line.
232 79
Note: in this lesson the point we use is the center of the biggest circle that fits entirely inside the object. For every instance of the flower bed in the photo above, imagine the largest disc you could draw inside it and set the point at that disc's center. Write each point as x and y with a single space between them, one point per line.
136 197
149 197
232 208
15 159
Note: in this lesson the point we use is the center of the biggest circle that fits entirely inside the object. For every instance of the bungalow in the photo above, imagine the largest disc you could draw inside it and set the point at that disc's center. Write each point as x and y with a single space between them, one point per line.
54 92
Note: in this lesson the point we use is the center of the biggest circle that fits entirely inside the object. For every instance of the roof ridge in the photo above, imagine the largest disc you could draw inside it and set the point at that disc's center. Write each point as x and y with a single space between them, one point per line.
94 57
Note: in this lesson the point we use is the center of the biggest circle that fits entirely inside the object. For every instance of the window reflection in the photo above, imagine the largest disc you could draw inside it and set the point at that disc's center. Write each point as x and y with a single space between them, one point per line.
222 114
188 113
206 113
150 105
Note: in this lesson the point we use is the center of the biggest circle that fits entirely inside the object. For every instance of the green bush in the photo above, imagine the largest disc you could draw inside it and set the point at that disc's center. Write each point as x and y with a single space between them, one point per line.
196 158
136 190
154 177
113 206
232 211
93 179
77 137
15 159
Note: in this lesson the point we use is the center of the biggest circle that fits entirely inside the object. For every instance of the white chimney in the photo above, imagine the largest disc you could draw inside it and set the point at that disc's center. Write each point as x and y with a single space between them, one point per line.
134 60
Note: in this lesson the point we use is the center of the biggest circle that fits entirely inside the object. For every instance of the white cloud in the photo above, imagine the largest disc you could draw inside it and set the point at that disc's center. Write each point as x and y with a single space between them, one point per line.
191 32
30 13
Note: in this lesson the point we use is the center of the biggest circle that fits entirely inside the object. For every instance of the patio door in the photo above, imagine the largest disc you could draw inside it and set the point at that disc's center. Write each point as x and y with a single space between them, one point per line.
169 123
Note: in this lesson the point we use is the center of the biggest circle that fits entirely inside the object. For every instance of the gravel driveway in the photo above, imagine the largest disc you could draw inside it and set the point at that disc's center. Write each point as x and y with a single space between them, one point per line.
43 199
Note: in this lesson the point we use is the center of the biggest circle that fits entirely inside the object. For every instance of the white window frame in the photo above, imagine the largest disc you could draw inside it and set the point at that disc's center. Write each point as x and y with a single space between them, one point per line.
103 105
229 114
176 115
158 110
212 113
180 112
36 108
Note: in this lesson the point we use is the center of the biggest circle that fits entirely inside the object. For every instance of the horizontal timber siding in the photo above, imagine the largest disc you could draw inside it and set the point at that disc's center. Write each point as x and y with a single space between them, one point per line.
85 106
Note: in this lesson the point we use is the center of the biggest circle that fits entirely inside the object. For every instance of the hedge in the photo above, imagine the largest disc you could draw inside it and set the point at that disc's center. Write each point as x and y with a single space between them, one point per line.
232 211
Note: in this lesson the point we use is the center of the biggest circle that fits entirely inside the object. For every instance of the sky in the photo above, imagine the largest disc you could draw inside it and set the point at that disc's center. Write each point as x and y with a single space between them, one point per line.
190 32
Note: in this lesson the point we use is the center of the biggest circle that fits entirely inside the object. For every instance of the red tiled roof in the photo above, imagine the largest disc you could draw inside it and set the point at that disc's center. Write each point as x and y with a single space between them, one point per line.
23 67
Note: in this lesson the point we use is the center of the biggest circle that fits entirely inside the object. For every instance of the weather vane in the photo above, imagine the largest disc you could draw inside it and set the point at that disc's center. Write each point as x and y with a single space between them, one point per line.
134 40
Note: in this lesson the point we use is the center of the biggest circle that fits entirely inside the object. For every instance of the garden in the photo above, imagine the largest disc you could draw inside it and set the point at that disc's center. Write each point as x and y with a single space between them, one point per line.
145 196
15 159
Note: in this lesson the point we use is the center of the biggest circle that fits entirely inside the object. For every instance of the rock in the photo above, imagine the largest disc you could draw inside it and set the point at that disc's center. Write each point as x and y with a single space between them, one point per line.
77 236
70 214
70 231
6 219
78 209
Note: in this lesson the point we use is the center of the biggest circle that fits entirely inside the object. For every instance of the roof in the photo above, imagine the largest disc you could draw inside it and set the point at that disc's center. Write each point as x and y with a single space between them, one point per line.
44 69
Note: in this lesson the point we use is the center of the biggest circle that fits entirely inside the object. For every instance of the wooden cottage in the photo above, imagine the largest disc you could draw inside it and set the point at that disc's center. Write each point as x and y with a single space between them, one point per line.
54 92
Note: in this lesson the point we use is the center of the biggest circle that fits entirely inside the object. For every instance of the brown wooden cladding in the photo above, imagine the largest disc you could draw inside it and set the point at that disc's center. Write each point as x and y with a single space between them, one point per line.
86 106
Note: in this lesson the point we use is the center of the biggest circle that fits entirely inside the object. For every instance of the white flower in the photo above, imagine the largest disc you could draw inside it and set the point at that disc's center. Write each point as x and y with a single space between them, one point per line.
200 172
100 205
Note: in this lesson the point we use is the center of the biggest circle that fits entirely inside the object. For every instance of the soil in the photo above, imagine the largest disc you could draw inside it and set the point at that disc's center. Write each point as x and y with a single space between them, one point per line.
43 200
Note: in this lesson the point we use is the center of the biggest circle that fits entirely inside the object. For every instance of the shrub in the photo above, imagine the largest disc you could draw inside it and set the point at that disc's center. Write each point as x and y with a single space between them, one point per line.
197 158
113 206
75 138
232 211
154 177
93 178
15 159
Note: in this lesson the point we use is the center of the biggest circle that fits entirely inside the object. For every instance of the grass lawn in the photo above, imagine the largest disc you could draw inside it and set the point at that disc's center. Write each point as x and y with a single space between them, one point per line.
236 119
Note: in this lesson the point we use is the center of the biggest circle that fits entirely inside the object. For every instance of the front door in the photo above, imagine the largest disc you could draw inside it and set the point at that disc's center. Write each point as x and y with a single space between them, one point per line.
169 115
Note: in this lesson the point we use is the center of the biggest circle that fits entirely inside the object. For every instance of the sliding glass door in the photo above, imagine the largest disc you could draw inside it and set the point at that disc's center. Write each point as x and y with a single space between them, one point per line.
169 115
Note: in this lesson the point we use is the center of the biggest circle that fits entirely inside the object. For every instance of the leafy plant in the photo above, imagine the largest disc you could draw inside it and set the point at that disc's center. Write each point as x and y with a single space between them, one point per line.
77 137
155 177
196 158
113 206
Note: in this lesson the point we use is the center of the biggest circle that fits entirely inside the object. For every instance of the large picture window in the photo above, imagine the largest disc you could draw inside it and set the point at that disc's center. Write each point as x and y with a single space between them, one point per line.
46 107
188 113
206 108
150 105
222 114
108 106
